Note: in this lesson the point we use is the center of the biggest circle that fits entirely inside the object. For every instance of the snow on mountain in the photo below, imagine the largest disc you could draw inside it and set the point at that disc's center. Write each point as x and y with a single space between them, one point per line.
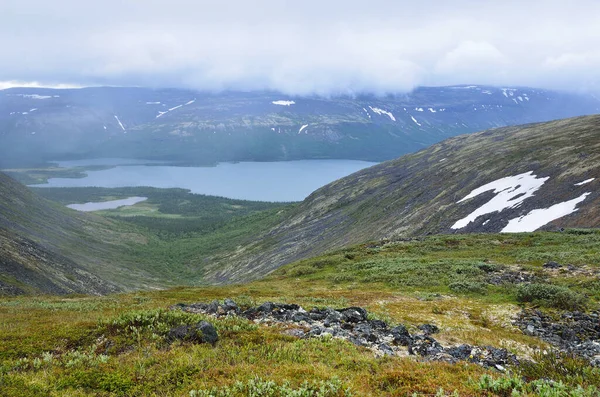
383 112
283 103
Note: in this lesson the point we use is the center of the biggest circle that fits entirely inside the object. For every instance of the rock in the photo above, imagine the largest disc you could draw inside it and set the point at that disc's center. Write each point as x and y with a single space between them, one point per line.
317 315
429 329
332 317
208 331
365 332
299 317
462 352
230 306
354 314
424 346
296 332
401 336
266 307
378 324
203 332
212 307
386 350
552 265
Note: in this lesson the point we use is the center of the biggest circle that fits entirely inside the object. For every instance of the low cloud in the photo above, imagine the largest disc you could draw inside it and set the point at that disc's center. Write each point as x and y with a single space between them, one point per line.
323 47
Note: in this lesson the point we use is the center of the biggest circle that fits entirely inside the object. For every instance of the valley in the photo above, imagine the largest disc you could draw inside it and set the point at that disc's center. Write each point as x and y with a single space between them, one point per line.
422 242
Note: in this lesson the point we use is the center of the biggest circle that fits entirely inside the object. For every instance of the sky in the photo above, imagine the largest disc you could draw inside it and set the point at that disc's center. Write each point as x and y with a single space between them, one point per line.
300 47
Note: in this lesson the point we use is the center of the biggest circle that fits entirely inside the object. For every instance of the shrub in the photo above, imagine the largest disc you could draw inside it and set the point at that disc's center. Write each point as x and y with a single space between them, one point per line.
467 287
551 296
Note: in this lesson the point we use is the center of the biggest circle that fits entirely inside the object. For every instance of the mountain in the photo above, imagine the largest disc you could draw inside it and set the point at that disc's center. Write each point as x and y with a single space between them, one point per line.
47 248
201 128
513 179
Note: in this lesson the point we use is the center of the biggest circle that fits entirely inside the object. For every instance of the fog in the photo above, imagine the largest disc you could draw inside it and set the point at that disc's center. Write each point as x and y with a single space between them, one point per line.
300 47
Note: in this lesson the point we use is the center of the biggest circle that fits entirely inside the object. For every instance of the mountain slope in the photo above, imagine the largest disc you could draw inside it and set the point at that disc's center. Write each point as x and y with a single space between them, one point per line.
199 127
45 247
507 179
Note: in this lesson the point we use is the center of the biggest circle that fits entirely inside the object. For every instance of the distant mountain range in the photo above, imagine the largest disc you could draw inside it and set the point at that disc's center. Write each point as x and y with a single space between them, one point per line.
201 128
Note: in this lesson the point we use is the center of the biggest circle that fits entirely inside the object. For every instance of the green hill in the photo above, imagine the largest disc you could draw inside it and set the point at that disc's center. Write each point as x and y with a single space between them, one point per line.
49 248
544 166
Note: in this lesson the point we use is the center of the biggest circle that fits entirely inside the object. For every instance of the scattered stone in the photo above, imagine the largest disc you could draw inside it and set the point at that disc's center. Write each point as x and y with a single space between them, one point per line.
297 332
350 324
429 329
511 277
571 332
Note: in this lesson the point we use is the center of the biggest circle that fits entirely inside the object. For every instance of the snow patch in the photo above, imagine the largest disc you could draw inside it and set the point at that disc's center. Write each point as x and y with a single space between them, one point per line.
119 121
432 110
382 112
415 120
283 103
419 109
302 128
34 96
510 193
160 114
584 182
540 217
367 112
152 103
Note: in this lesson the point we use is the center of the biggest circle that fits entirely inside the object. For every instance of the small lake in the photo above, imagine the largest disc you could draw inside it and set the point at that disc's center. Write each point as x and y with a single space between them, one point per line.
263 181
107 205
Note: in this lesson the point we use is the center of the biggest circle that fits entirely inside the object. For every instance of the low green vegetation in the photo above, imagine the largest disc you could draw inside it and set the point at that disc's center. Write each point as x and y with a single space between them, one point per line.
38 175
118 345
168 213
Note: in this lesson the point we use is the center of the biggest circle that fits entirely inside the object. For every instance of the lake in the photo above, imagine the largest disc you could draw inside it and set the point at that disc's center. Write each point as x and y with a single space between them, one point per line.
107 205
262 181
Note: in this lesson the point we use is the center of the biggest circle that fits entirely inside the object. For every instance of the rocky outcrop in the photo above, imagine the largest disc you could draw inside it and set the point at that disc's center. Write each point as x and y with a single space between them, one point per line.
203 332
572 332
355 325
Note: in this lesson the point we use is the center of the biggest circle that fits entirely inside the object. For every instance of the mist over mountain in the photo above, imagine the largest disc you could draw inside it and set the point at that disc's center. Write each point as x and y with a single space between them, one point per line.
186 126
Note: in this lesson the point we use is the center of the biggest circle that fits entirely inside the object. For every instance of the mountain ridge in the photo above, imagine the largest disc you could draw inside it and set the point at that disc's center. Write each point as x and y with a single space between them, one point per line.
201 127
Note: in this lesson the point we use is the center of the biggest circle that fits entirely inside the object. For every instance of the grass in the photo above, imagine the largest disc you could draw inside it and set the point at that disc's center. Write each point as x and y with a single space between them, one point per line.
116 345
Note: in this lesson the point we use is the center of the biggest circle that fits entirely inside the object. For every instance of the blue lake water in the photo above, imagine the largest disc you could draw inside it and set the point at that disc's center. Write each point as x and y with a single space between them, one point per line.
264 181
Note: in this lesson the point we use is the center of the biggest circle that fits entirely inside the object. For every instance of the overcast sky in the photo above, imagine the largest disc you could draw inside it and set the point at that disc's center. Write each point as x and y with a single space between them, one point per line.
301 46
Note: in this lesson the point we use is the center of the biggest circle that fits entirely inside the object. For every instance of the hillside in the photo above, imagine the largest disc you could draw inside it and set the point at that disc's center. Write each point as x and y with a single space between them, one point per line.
197 127
507 179
48 248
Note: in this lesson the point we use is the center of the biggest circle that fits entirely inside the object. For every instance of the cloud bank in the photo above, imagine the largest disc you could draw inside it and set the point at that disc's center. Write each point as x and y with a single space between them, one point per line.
301 47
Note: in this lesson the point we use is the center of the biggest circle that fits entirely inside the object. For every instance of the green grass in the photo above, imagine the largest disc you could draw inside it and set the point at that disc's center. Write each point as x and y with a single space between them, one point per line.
116 345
